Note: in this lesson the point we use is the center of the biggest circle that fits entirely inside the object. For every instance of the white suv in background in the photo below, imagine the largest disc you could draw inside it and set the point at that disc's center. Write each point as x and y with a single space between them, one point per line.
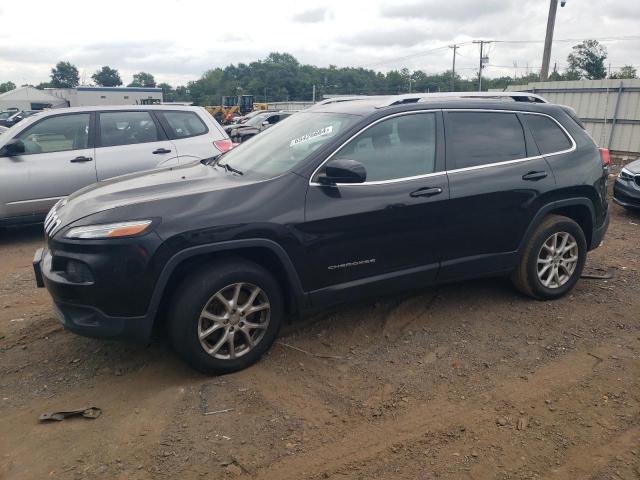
56 152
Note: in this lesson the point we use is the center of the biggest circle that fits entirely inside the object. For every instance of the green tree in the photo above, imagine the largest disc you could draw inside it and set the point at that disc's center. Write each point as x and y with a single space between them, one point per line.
43 85
587 59
6 86
628 71
107 77
168 94
143 79
64 75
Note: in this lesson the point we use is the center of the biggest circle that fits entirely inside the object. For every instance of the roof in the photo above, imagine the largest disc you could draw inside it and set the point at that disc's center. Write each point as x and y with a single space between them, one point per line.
101 108
119 89
31 94
363 105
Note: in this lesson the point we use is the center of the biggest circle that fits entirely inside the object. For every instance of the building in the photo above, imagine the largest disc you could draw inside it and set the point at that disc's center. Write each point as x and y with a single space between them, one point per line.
30 98
92 96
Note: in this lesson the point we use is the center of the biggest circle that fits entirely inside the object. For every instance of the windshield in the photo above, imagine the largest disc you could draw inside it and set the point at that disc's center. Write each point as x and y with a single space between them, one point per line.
257 120
287 143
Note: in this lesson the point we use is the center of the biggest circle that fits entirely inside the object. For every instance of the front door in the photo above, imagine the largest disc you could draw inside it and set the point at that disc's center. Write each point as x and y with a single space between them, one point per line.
58 160
389 225
131 141
497 181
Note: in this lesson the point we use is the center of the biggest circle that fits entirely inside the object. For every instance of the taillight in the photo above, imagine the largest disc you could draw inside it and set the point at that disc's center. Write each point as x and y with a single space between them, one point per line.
223 145
605 157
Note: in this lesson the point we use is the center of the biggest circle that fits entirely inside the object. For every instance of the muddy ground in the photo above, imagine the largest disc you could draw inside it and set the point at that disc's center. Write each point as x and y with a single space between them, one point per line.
464 381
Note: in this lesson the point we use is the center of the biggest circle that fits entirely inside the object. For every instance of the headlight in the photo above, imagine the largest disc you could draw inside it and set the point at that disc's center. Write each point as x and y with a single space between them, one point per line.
625 174
109 230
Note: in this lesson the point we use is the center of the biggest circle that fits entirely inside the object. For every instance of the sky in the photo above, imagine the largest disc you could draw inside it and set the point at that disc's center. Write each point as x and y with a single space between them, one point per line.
177 40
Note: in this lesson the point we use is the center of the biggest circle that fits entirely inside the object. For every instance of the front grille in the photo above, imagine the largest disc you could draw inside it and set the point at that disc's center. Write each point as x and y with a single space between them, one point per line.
51 221
637 180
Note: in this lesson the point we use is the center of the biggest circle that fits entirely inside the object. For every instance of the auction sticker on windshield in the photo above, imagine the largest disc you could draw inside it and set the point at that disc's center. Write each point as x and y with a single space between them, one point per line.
305 138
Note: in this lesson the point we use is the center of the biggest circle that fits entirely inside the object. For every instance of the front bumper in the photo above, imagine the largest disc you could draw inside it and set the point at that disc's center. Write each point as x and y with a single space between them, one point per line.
113 304
626 193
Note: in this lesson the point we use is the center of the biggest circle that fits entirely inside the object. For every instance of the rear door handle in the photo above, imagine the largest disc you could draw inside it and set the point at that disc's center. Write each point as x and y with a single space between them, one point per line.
534 176
161 150
81 159
426 192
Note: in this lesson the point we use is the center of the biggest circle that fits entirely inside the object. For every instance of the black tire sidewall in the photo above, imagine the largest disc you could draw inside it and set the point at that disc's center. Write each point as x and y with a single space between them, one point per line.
537 288
193 295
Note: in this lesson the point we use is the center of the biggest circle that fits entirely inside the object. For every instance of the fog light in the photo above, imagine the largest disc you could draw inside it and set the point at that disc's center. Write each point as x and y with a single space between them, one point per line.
78 272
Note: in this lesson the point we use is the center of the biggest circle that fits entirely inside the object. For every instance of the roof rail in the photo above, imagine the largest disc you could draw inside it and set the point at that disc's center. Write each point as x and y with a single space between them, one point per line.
425 97
328 101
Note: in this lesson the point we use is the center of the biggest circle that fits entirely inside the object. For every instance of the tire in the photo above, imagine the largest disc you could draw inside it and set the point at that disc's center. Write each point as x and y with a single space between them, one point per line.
197 307
543 284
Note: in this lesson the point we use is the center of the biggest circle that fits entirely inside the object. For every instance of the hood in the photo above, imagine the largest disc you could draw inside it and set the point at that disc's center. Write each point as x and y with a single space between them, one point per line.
144 187
633 167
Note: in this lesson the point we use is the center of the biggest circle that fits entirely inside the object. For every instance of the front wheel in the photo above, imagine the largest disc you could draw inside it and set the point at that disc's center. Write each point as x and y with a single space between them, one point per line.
225 316
552 260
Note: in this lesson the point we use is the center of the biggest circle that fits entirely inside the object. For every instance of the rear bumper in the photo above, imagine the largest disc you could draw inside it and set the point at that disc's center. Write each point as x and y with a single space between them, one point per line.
598 233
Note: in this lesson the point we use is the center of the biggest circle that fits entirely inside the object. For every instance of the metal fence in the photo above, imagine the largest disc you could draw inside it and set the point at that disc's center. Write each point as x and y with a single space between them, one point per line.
610 109
289 106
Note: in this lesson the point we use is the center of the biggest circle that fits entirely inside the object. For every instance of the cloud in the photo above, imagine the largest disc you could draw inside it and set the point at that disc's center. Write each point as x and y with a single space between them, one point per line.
448 10
389 37
313 15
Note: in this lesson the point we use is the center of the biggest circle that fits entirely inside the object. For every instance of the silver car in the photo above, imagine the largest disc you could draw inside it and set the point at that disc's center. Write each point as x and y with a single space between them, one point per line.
51 154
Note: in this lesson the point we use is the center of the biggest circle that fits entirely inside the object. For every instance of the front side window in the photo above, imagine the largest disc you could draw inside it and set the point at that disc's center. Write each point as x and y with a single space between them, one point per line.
481 138
399 147
57 134
289 142
184 124
127 128
547 134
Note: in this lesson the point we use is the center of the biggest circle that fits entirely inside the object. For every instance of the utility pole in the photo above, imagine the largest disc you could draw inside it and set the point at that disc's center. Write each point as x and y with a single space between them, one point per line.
314 93
453 70
548 40
483 59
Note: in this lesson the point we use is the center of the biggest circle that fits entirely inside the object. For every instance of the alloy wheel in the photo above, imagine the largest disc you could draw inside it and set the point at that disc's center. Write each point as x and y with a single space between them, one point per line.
557 260
234 320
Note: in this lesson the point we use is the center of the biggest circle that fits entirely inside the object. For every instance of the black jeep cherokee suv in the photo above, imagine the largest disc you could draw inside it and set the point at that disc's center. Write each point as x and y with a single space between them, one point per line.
355 198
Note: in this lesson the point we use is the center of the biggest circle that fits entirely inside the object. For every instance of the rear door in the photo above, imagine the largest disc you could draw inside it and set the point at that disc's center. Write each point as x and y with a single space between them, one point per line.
131 141
498 181
58 160
194 136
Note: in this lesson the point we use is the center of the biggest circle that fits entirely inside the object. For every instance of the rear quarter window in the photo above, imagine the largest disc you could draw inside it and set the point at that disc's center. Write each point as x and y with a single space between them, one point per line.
547 134
184 124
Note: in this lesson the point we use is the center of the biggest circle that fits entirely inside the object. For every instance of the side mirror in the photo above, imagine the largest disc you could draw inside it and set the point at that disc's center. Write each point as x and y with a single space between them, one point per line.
266 123
12 148
343 170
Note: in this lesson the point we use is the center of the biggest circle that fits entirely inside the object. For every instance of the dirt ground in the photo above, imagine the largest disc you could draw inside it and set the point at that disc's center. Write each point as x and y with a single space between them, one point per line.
464 381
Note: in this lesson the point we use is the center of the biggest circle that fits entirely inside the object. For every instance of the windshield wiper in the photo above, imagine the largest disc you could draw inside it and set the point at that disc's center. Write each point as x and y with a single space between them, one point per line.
230 168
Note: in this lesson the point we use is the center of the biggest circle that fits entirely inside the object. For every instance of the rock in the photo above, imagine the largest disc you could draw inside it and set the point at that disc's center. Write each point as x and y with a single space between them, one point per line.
233 469
501 421
474 453
522 423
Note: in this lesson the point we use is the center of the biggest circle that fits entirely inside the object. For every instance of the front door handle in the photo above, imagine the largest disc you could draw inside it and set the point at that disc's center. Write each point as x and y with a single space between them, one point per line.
161 150
426 192
81 159
534 176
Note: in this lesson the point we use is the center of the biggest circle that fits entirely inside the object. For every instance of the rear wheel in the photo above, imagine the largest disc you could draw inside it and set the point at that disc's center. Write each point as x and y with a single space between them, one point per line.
552 260
225 316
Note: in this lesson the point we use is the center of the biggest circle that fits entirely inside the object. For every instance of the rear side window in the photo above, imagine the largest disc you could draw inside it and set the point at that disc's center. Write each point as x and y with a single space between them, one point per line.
548 135
126 128
184 124
481 138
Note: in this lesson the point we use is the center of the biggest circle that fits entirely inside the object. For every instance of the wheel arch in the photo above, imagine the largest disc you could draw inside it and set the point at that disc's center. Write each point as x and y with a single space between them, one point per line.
263 252
579 209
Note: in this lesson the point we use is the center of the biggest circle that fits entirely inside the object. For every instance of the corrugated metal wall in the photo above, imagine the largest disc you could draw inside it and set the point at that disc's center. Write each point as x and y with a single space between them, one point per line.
289 106
595 103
